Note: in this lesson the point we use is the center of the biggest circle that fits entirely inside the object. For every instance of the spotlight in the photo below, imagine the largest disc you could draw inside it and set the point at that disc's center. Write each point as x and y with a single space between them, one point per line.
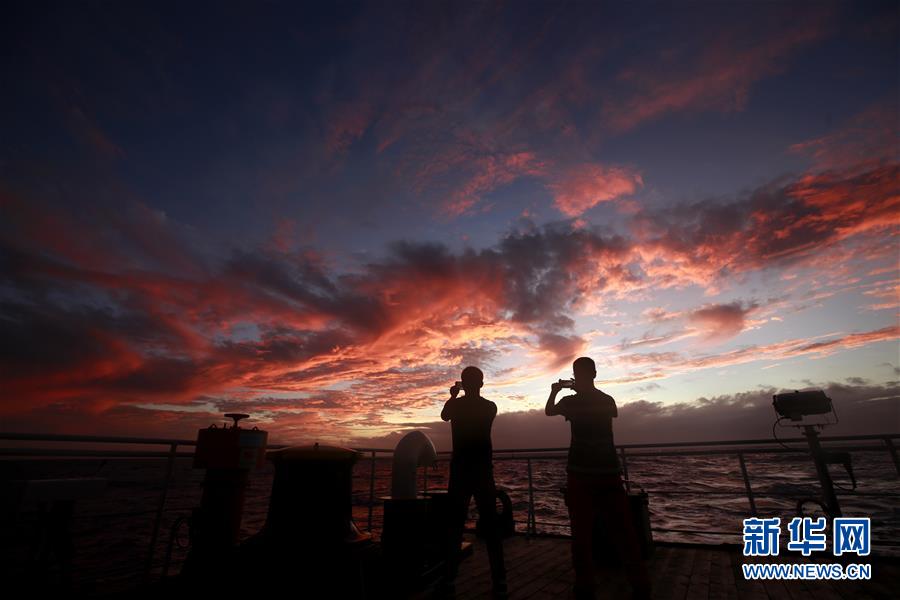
796 405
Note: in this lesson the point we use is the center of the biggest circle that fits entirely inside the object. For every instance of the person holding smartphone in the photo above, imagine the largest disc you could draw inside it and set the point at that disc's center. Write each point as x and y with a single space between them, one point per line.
472 472
594 481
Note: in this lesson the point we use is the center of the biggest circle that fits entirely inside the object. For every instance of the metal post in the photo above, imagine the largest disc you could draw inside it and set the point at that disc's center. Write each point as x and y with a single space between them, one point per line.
747 484
160 507
890 445
425 480
625 470
371 490
531 527
831 501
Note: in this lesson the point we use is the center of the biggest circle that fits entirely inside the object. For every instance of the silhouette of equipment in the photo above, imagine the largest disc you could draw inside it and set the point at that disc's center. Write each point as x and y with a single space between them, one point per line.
606 549
415 525
48 560
797 406
228 454
310 541
414 450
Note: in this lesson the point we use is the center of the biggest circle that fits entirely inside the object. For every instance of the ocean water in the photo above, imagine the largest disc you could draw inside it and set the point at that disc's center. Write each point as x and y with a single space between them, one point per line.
700 494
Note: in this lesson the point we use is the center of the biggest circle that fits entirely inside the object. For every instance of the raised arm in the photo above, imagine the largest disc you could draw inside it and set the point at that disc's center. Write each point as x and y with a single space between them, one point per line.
447 412
552 409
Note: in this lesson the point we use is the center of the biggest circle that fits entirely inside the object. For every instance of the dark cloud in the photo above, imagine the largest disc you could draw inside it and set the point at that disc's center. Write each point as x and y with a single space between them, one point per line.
648 387
263 319
862 409
721 321
564 349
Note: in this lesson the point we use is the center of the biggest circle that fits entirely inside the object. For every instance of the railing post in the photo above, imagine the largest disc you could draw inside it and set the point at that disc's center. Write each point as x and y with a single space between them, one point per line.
625 469
371 490
160 507
833 507
531 527
425 480
747 484
890 446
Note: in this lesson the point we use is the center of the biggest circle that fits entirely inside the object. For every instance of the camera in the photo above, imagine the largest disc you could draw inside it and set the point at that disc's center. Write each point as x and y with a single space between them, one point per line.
567 383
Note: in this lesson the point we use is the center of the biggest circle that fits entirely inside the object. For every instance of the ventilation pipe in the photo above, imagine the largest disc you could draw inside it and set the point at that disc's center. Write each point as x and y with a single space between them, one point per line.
414 450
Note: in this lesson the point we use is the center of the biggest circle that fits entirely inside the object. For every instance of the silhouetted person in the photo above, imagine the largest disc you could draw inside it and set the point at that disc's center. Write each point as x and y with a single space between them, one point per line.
472 472
594 481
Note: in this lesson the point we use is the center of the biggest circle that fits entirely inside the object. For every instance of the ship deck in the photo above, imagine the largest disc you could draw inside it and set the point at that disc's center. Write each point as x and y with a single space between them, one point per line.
540 568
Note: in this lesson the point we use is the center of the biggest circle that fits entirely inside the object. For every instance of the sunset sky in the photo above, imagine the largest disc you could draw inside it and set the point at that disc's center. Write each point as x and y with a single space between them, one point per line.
319 214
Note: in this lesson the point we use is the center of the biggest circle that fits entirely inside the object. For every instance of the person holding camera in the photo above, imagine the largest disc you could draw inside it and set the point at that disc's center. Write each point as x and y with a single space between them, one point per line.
472 472
594 481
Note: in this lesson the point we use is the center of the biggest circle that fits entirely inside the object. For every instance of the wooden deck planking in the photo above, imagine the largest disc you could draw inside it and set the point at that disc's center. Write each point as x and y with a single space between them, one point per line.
680 573
698 585
530 564
664 569
729 586
521 560
746 590
540 568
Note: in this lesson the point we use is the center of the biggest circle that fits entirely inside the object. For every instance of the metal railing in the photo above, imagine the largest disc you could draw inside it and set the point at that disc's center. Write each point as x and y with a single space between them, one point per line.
737 448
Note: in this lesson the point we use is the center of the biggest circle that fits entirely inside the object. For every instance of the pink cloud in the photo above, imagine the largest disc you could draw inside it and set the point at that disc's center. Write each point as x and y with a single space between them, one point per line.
802 221
717 76
888 292
721 321
585 186
129 318
487 173
665 364
346 124
868 137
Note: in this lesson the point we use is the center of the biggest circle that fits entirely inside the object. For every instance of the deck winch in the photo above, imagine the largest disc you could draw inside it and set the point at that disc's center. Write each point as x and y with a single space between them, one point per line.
312 497
310 541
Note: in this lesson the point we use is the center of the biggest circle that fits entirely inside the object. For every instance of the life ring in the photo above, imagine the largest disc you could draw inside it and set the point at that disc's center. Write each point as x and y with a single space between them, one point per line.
503 519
